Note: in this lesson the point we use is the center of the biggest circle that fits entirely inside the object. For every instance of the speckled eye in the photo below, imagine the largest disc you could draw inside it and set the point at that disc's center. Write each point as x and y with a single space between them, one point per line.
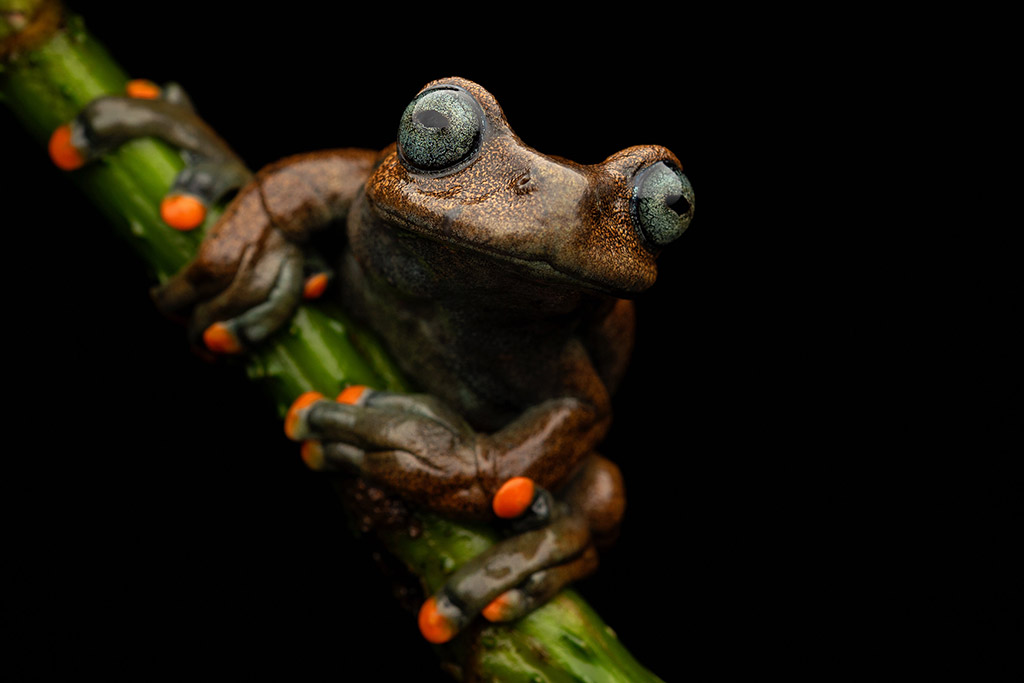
662 203
440 129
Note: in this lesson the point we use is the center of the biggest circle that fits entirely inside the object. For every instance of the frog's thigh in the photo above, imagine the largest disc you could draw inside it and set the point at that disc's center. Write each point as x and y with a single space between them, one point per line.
596 490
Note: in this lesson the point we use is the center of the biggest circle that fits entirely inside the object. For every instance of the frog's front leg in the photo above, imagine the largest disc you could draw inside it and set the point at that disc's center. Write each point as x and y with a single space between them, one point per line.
425 452
212 169
252 268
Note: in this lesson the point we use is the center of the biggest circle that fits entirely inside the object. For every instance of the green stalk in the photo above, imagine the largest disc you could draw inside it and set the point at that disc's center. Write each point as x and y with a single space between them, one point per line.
50 67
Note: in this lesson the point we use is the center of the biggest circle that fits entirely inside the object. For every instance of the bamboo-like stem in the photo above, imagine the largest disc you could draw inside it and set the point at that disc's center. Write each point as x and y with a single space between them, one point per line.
50 67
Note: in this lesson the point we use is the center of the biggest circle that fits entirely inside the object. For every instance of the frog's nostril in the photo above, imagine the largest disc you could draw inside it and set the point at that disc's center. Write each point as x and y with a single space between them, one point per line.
523 183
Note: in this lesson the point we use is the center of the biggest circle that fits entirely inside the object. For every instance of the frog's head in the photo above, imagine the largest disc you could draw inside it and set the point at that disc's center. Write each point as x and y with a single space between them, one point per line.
459 175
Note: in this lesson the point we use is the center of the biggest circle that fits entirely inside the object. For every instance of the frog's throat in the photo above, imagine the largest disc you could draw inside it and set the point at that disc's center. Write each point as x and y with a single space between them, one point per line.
539 268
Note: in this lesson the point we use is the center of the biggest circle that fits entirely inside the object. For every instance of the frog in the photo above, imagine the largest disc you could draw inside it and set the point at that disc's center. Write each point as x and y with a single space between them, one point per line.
502 281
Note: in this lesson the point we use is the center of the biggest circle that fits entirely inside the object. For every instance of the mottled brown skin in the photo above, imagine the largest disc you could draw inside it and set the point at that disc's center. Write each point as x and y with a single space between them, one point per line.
501 287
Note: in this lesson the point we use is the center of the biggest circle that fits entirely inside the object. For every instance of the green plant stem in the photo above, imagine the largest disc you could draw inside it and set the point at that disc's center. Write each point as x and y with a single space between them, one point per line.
45 82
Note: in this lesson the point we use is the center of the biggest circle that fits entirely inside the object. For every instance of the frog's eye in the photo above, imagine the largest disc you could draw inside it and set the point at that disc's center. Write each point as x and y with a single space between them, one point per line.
439 129
662 203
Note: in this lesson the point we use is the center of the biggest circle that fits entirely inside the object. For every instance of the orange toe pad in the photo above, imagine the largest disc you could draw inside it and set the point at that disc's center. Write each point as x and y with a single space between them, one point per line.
182 211
62 152
315 286
351 394
142 89
433 625
313 454
292 418
220 339
514 497
498 609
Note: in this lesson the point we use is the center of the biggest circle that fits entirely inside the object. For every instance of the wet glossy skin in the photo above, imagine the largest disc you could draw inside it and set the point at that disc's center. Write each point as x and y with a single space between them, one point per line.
499 279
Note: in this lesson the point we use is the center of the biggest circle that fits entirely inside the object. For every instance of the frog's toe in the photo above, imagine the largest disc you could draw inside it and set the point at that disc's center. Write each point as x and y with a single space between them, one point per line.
440 620
312 453
539 588
295 424
355 395
514 497
183 211
268 300
221 338
315 285
510 578
143 89
200 185
524 503
63 152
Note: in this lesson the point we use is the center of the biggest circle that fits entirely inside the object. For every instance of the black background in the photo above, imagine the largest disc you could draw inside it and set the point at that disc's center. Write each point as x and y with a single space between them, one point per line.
784 515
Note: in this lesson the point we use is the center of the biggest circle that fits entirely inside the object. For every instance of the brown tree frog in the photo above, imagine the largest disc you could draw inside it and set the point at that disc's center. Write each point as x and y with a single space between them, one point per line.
498 277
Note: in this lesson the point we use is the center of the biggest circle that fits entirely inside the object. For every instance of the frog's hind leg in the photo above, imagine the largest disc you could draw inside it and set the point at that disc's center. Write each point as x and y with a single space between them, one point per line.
519 573
539 588
212 169
597 493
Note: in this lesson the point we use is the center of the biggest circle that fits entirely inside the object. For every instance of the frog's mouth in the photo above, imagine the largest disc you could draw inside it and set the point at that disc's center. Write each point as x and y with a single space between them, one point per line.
539 268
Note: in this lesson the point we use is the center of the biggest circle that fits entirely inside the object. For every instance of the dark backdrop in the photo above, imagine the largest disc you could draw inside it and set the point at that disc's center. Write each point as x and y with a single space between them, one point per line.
765 430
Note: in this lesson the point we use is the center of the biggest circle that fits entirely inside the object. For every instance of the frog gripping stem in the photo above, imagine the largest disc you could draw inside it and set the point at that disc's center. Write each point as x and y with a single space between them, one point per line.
146 110
499 602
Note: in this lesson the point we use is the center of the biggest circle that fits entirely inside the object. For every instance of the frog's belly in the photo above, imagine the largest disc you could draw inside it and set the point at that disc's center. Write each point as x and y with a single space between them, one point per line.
458 366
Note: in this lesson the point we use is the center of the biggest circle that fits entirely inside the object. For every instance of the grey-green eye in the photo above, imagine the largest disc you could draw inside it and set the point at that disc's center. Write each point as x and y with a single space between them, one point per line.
662 203
439 129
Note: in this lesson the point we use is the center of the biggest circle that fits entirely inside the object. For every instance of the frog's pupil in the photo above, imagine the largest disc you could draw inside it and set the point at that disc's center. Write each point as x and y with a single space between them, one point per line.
430 118
673 199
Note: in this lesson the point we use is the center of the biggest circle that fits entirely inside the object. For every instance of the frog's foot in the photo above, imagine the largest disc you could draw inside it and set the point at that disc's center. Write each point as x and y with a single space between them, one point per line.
201 184
212 170
511 578
410 443
273 299
539 588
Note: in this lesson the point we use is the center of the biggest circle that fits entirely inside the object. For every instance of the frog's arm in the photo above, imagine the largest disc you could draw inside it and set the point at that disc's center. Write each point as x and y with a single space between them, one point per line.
420 448
212 169
429 454
251 270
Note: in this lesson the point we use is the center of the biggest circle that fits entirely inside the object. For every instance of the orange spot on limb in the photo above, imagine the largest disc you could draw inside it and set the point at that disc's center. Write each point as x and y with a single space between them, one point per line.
182 211
62 152
142 89
514 497
220 339
351 394
315 286
433 625
291 420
